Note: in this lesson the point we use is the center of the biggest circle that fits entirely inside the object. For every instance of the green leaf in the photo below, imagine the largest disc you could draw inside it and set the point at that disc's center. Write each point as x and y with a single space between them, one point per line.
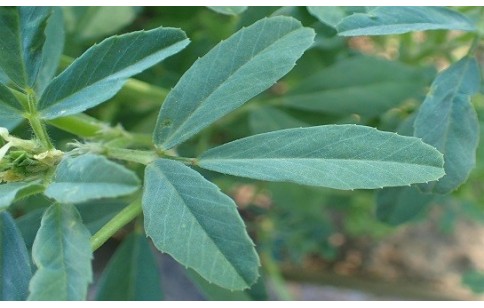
52 52
22 32
92 22
336 156
15 272
9 104
228 10
3 77
385 20
329 15
9 122
332 15
95 214
447 120
89 177
190 219
233 72
397 205
213 292
139 279
474 280
10 109
374 86
267 119
101 71
11 192
62 253
28 225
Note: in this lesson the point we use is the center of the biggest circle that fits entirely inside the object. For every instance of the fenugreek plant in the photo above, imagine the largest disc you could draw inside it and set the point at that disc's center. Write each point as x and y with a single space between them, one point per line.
107 176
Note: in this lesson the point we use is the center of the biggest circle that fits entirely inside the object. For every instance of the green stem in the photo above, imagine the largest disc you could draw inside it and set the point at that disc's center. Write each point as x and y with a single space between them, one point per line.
37 126
116 223
185 160
85 126
136 156
40 132
135 89
49 175
80 125
142 157
21 97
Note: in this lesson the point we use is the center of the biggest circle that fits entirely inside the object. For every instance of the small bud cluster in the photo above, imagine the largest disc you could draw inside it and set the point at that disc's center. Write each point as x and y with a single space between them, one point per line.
23 159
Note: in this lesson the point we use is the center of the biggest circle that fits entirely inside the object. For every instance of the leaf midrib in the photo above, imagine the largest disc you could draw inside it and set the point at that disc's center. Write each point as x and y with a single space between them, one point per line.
314 159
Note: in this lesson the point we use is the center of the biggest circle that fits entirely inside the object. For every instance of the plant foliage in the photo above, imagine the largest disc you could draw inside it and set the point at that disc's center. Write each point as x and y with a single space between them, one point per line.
147 153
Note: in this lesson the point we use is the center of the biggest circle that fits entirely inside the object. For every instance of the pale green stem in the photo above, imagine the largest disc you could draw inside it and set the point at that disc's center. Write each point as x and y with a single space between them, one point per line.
40 132
116 223
80 125
142 157
37 126
85 126
136 156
